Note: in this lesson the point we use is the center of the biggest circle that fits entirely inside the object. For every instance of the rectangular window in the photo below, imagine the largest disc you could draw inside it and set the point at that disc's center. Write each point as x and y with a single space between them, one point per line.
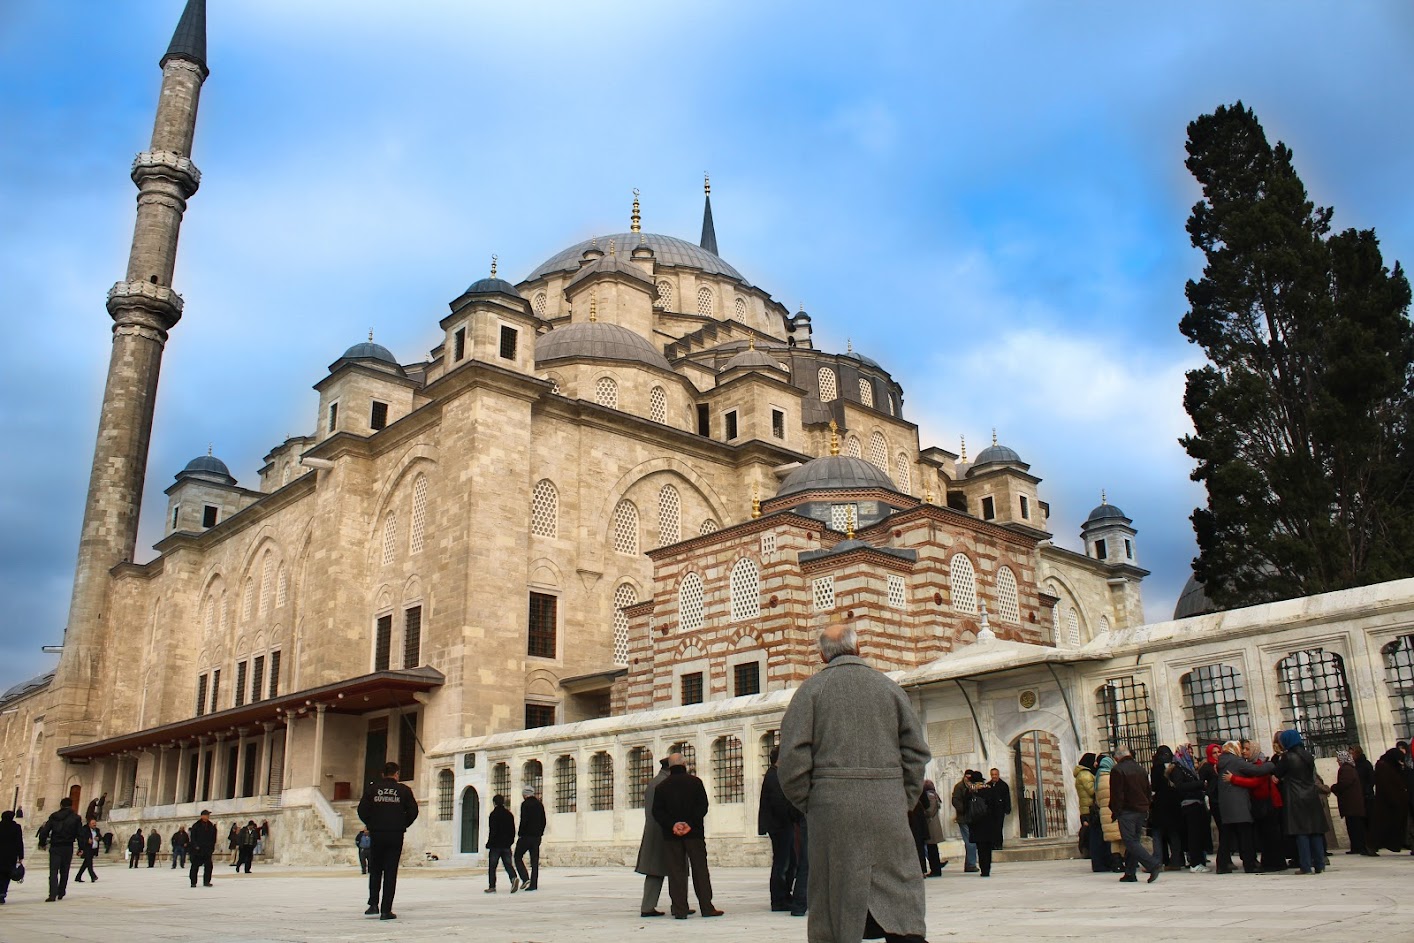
333 417
201 695
275 673
1025 508
407 747
541 640
257 678
692 688
208 516
731 425
242 669
176 512
215 690
704 420
1128 549
989 509
746 679
897 595
412 637
778 424
823 591
459 344
383 643
378 418
539 715
509 336
1101 552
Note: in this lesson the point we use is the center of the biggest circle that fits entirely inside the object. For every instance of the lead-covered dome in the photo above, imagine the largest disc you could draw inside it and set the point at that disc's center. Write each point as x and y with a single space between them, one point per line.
209 468
368 350
492 286
835 471
667 250
752 359
1106 512
598 340
998 453
1193 601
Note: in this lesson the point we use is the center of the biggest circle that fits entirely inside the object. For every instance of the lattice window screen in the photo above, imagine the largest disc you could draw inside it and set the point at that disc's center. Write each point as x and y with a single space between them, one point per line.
739 308
1072 626
1008 607
267 582
623 596
669 515
964 584
904 473
879 452
866 392
841 516
823 590
390 536
606 392
542 303
658 405
248 598
768 542
691 607
419 514
704 301
709 526
745 590
282 587
898 598
852 447
665 294
544 509
626 527
1104 624
828 390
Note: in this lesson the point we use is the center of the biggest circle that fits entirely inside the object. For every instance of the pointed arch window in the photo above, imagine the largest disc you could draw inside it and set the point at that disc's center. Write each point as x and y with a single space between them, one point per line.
1072 626
658 404
625 524
727 769
665 294
601 783
623 596
691 599
828 390
541 304
501 779
566 787
640 772
903 475
446 788
532 774
419 514
669 515
704 301
866 392
248 598
964 584
267 582
852 447
739 309
390 537
879 452
1008 607
709 526
745 590
544 509
606 392
282 587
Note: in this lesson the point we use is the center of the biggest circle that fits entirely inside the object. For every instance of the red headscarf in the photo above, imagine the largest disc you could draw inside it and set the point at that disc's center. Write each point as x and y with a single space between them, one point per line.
1213 751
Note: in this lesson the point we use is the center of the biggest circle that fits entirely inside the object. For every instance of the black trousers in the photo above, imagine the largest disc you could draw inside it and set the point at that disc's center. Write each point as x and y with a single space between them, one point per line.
528 846
179 857
152 859
984 858
1195 840
6 866
86 865
1239 837
133 858
1355 825
684 854
782 867
200 860
383 857
246 857
61 856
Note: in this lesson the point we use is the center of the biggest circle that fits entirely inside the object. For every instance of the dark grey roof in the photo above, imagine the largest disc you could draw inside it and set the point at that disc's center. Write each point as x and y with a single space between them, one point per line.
25 687
835 471
998 453
752 358
845 546
598 340
1106 512
370 351
609 265
667 250
870 361
709 231
1193 601
207 467
189 40
491 286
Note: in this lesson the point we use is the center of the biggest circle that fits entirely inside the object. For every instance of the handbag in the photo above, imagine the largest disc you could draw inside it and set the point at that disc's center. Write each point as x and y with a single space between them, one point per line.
17 873
976 808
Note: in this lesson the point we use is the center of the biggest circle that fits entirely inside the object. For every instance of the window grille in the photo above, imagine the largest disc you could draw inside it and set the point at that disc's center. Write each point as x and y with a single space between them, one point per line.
1215 700
215 690
501 779
879 452
739 308
554 384
1315 699
727 770
866 392
1072 626
257 678
964 584
541 304
509 338
282 587
826 378
419 514
746 679
745 590
1008 607
459 344
407 747
541 638
566 788
544 509
623 596
692 689
640 773
626 527
606 392
897 596
390 537
210 615
1125 716
658 405
704 301
1104 624
669 515
248 598
224 615
267 583
446 787
275 673
852 448
539 715
778 424
691 603
768 542
383 643
378 415
601 783
823 590
1399 677
843 515
769 741
689 754
201 695
904 473
532 774
412 637
665 294
709 526
731 423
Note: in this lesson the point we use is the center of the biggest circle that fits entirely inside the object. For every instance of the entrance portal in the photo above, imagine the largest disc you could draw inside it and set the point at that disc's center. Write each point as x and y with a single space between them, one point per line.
471 822
1040 784
375 752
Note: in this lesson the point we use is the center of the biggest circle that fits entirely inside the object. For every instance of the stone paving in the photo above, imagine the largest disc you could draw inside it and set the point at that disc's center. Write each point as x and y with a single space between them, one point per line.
1358 899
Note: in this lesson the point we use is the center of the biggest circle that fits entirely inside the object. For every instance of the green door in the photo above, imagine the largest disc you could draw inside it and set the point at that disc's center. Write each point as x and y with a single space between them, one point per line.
471 822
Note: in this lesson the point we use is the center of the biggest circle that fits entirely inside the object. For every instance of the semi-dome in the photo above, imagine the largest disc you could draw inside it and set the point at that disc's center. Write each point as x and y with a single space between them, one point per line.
1193 601
370 351
492 286
207 467
598 340
835 471
998 453
1104 511
667 250
752 359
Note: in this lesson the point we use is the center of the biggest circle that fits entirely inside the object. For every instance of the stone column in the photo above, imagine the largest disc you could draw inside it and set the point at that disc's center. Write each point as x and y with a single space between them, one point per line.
201 770
179 793
237 792
219 763
317 764
262 787
289 747
159 781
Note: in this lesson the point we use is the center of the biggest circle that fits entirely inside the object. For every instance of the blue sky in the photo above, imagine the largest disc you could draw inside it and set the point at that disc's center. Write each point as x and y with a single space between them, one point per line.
989 199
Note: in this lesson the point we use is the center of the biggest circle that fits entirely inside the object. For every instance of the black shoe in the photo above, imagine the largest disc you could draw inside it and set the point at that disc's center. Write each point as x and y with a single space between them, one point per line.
1129 879
1153 876
798 911
78 880
651 913
372 909
530 887
679 916
50 900
207 884
778 908
193 884
714 912
388 916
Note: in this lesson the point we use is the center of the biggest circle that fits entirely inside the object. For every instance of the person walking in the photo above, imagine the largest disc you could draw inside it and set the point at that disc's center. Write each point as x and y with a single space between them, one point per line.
362 841
154 845
652 860
680 809
136 844
500 836
90 840
233 844
60 832
246 841
852 760
1130 803
775 818
202 848
12 850
180 840
1296 771
930 830
528 838
961 792
1350 802
388 807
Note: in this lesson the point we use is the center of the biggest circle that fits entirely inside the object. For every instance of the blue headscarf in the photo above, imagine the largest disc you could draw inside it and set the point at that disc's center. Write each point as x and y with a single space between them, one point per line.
1106 764
1289 739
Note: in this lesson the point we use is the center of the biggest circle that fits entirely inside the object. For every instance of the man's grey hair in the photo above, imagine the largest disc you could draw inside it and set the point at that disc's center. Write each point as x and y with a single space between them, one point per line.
838 640
1122 751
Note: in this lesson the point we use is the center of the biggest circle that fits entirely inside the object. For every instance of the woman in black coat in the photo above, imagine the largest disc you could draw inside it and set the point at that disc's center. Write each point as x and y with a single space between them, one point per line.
986 828
1296 771
1390 816
12 849
1165 819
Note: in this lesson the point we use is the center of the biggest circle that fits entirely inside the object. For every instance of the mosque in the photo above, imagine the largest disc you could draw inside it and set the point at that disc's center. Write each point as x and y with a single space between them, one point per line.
602 519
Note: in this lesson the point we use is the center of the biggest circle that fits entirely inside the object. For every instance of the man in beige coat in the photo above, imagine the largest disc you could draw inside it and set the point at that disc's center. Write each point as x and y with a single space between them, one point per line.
852 759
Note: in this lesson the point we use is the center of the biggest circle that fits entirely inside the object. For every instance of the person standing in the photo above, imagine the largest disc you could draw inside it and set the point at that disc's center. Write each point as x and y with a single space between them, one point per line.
930 830
852 760
775 818
652 849
680 809
180 840
154 845
202 847
1109 825
1366 770
986 816
362 841
59 833
1192 807
233 844
1129 801
1389 819
960 794
1350 802
246 841
996 782
136 844
388 807
528 838
89 842
1085 801
12 850
1296 772
500 836
1235 804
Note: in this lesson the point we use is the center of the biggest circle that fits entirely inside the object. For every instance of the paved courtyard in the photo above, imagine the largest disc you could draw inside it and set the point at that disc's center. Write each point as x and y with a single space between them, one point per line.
1358 899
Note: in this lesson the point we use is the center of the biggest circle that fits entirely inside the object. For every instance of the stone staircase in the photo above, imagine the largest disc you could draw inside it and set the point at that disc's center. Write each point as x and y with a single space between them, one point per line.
1038 849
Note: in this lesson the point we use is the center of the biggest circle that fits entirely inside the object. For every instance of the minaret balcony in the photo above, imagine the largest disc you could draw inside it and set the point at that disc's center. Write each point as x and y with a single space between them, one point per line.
168 164
159 302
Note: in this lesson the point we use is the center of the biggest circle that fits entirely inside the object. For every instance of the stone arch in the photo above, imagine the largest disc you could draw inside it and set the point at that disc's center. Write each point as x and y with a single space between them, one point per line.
688 648
412 589
545 572
418 459
1070 599
642 471
745 641
383 598
542 683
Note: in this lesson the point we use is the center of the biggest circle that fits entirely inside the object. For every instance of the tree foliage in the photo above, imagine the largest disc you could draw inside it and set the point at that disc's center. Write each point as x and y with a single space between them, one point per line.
1304 413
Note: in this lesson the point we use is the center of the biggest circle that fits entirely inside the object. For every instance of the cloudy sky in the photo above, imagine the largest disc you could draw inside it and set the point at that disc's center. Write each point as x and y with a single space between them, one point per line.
988 198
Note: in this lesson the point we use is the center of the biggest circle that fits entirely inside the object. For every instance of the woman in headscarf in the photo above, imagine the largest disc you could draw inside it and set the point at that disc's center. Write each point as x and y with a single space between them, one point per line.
1390 816
1089 814
1210 777
1350 801
1109 825
1266 811
1296 770
1165 817
987 826
1192 807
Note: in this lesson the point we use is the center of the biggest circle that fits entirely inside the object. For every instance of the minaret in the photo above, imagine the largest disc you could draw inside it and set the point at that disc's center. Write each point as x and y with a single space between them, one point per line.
709 232
144 308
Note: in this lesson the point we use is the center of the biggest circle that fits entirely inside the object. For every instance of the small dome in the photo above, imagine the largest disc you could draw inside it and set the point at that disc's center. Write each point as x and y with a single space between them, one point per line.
997 453
492 286
835 471
1193 601
856 355
1106 512
209 468
752 359
24 687
598 340
370 351
608 265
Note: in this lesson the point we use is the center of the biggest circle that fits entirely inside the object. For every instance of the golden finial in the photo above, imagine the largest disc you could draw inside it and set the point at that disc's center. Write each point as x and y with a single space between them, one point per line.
635 218
927 495
208 449
1103 499
706 183
593 309
834 438
994 435
611 247
751 342
493 265
849 525
963 459
755 501
849 345
370 335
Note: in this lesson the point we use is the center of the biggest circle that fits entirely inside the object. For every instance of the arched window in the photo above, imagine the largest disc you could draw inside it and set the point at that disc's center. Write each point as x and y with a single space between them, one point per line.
727 772
623 596
745 590
544 509
852 447
739 309
282 587
866 392
828 390
904 474
1315 699
1399 677
419 515
640 773
210 614
446 795
532 774
704 301
390 536
501 780
769 741
554 384
566 787
669 516
690 603
891 405
709 526
1125 716
1072 626
1104 624
658 404
606 392
964 584
626 527
1008 607
541 304
879 452
601 783
248 598
1215 700
267 582
689 754
665 294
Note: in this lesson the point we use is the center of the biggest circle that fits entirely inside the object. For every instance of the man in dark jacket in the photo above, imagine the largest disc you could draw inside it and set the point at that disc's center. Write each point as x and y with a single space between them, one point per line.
776 818
12 849
60 832
180 840
500 835
680 808
90 840
1129 802
136 843
154 845
246 841
652 849
532 830
201 847
388 807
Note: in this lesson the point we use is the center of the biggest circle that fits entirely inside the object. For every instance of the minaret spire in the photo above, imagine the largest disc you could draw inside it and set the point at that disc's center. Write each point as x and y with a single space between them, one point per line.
709 232
189 38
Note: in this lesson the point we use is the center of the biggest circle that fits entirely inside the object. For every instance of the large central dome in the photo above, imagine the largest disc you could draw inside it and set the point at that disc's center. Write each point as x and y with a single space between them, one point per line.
667 250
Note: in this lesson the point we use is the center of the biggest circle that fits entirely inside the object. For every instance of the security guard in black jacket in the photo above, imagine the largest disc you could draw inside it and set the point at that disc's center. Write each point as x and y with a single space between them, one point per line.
60 833
387 808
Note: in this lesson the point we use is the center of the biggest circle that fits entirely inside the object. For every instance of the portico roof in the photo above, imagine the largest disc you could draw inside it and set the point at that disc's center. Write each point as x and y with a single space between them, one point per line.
377 691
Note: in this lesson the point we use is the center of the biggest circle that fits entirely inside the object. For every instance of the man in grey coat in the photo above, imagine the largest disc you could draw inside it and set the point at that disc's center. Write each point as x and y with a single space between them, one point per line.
852 760
652 850
1235 805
